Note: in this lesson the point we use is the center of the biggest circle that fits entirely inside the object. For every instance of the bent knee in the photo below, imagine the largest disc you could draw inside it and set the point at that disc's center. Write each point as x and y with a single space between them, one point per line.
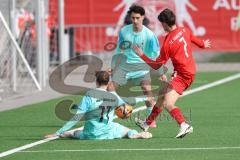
168 105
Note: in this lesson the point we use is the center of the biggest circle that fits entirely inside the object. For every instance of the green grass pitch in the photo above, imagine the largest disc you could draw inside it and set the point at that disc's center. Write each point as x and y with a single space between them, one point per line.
214 114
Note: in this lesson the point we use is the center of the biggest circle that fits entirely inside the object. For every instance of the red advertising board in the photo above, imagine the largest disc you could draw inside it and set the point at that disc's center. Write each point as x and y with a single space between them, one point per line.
217 20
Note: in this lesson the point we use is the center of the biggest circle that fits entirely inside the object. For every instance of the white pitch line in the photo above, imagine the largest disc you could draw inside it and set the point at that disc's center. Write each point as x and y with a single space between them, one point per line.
131 149
201 88
213 84
3 154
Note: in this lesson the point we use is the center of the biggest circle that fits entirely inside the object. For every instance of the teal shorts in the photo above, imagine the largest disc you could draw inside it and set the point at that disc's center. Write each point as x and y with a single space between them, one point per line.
121 76
116 131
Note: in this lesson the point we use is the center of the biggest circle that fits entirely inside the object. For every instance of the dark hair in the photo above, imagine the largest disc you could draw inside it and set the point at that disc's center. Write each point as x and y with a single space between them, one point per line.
102 77
128 20
167 16
136 9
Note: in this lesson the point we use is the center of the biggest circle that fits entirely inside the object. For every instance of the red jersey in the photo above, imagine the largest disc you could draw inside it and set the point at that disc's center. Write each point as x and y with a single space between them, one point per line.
177 47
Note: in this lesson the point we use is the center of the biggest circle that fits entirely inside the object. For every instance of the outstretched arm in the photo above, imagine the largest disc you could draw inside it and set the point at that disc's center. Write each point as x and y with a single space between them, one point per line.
68 125
83 108
154 64
207 43
133 100
199 42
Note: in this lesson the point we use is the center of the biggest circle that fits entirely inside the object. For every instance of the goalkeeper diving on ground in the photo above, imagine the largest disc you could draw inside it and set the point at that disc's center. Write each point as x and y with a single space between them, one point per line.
97 109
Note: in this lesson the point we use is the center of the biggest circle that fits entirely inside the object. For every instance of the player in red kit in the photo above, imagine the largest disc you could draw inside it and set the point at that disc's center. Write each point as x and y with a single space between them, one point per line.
177 47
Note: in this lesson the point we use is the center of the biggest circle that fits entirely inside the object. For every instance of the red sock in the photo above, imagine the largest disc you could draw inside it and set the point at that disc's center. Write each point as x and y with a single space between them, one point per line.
155 112
177 115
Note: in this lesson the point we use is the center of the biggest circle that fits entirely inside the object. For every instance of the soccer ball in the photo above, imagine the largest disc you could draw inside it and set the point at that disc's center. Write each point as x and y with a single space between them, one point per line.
124 111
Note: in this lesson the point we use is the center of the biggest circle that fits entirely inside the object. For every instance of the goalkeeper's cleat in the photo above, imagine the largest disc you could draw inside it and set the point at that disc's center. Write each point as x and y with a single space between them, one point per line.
145 135
184 130
142 124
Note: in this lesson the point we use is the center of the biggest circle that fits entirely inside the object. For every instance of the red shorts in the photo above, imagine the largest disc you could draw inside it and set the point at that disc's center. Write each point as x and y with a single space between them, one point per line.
181 83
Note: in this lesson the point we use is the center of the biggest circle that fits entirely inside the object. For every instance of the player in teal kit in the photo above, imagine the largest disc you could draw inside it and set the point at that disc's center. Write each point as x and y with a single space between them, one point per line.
97 108
131 67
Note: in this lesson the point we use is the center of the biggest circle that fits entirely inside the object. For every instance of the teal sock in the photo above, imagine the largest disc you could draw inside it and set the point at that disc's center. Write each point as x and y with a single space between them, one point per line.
148 110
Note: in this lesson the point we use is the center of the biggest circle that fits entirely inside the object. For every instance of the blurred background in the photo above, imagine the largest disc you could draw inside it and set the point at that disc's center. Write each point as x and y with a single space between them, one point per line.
39 35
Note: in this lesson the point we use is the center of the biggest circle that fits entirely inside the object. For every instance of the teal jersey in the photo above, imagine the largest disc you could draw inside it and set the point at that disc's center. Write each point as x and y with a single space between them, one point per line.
144 39
97 109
